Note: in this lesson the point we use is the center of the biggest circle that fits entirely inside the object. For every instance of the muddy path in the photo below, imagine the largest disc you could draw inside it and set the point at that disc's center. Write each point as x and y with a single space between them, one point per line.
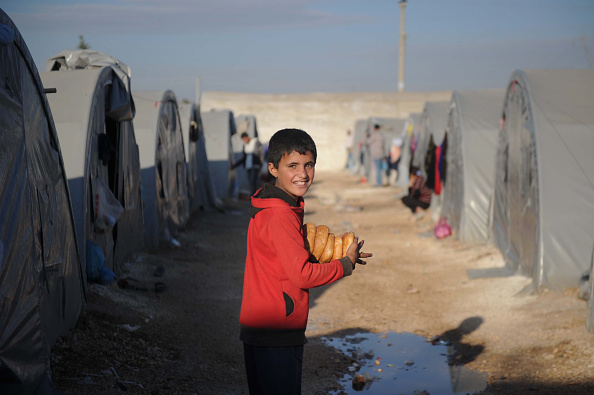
181 336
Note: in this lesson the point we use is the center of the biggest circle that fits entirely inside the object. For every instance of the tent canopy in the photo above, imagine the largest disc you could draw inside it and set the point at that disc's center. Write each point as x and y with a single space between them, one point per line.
410 129
42 282
219 127
200 186
92 107
163 165
432 124
543 221
473 128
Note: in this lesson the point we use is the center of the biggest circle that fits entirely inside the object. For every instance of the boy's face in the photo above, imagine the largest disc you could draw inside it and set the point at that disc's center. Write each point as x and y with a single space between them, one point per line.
295 173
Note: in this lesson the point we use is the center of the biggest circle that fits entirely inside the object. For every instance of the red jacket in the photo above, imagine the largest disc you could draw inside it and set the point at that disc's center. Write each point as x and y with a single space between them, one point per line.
278 273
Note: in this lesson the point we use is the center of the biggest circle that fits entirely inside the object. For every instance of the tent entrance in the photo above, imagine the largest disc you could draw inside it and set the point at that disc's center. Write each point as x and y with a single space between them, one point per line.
523 183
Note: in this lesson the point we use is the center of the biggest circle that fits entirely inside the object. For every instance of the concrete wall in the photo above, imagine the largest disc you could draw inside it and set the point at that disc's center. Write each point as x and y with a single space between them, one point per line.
325 116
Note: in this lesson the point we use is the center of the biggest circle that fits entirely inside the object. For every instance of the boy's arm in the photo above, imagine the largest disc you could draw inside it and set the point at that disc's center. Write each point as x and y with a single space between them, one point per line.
288 243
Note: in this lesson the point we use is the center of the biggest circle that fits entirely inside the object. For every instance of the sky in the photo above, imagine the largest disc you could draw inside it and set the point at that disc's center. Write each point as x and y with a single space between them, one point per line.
304 46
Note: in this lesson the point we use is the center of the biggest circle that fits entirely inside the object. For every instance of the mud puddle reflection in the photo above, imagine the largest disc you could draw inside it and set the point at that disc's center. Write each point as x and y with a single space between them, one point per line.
403 363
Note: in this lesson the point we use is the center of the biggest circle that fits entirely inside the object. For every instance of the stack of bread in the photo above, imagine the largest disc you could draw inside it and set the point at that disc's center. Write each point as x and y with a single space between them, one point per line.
323 245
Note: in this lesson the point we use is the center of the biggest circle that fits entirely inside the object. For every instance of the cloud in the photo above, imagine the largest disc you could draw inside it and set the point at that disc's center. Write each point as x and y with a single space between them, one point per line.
178 16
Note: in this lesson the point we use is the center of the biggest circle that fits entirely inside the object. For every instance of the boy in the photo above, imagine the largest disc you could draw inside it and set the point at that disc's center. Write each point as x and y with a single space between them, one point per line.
278 273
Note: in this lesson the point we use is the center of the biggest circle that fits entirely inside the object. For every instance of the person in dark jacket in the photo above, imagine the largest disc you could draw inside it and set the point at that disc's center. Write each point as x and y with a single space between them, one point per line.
252 159
278 271
419 195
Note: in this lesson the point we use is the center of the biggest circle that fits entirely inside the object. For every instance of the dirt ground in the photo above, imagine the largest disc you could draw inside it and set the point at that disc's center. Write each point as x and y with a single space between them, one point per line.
183 339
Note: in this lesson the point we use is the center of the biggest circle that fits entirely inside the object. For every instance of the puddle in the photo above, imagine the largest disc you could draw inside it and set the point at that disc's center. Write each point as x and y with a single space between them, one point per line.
403 363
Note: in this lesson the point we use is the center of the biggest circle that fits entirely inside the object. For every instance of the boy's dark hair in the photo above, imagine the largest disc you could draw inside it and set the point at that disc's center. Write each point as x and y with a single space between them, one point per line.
286 141
244 134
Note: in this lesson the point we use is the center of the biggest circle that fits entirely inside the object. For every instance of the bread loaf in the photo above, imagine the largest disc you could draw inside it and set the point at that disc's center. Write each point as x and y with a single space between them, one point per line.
320 241
328 249
324 246
310 233
347 240
337 248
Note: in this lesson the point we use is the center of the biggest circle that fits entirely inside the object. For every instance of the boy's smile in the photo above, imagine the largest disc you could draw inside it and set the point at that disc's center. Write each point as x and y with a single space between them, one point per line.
295 173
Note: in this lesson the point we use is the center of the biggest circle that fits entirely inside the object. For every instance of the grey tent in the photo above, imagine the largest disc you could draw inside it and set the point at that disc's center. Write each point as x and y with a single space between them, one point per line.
590 313
432 126
163 166
244 124
543 198
473 127
42 283
200 186
410 132
190 122
219 127
362 164
93 110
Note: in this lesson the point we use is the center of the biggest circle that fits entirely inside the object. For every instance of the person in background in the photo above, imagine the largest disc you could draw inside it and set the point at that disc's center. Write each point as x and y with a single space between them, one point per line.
419 195
394 161
377 150
349 145
252 159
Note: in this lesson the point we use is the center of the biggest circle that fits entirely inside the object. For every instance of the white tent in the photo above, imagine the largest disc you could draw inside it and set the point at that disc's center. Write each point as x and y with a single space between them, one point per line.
93 110
42 284
473 127
543 199
219 127
200 186
163 166
410 132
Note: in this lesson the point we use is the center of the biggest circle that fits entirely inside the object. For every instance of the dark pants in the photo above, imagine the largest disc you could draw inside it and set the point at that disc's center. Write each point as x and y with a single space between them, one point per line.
273 370
252 175
413 203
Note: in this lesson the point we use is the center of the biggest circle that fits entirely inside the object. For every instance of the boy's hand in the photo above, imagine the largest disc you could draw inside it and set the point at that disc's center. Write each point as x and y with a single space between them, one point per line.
354 252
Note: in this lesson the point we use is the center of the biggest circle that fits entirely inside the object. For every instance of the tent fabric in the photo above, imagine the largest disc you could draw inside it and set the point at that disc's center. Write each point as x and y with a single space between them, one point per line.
543 211
189 126
432 125
42 283
200 186
119 107
244 124
219 127
432 122
590 311
163 166
361 167
473 128
99 144
410 129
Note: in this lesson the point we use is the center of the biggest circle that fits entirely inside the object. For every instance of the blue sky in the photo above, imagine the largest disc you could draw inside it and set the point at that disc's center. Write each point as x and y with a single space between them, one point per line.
301 46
